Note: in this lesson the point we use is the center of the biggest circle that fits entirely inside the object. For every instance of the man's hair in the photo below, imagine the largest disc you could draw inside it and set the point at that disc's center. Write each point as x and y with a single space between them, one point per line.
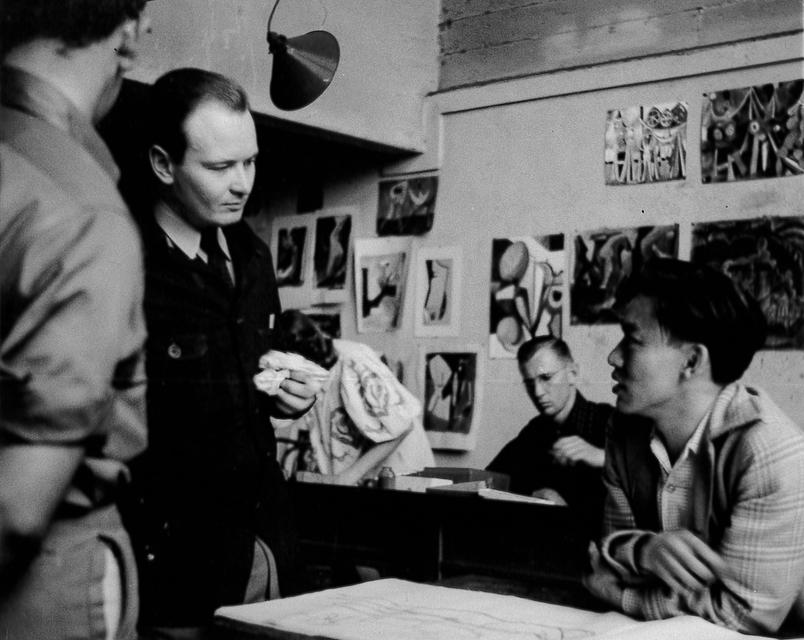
697 303
76 23
303 336
175 96
531 347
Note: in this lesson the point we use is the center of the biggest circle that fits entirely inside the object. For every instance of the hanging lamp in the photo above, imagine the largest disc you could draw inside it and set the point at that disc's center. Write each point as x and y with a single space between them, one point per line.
303 66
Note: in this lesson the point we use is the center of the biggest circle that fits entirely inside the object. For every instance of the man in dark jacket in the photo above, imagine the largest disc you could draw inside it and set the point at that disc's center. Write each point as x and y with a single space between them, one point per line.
211 519
559 454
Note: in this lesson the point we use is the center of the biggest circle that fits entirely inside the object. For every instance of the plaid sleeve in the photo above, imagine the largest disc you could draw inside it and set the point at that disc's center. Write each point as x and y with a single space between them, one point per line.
763 544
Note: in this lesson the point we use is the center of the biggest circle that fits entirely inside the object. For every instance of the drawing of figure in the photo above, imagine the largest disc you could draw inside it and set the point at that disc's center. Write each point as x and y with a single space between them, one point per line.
290 250
331 249
380 291
438 406
436 303
450 392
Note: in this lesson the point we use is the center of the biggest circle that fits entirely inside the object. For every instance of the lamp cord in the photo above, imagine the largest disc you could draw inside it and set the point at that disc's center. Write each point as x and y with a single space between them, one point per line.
271 17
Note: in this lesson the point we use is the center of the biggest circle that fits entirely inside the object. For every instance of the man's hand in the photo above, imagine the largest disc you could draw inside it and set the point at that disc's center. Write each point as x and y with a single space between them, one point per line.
570 450
603 583
681 560
297 393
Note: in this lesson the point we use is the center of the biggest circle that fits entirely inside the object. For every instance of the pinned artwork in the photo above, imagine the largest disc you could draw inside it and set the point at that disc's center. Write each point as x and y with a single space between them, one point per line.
406 206
604 258
765 257
290 255
380 273
753 132
646 144
438 285
452 380
328 319
331 251
527 291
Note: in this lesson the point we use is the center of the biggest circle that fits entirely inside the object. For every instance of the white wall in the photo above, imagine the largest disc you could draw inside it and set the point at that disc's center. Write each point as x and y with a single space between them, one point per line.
536 167
527 158
389 58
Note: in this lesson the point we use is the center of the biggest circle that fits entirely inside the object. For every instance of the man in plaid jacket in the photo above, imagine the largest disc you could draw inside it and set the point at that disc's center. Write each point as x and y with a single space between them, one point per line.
705 476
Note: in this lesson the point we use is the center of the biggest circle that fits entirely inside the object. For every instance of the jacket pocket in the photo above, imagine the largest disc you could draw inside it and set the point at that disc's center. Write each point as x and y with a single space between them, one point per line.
179 372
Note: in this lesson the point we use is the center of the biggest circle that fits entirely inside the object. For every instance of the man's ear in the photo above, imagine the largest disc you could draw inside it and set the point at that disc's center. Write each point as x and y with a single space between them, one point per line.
572 371
161 164
697 360
126 36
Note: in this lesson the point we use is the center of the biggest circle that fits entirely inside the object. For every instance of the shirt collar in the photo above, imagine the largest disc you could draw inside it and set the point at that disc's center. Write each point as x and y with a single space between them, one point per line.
690 449
183 235
31 94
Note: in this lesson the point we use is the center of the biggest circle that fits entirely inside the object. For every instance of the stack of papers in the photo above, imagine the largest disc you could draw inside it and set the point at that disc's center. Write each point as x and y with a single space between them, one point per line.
496 494
400 610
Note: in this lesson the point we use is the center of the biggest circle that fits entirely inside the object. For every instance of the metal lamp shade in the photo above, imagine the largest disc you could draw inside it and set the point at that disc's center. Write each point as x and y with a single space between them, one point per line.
303 67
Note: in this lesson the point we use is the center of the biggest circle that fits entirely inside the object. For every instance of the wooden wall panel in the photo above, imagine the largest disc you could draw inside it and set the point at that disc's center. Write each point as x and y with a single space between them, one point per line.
487 40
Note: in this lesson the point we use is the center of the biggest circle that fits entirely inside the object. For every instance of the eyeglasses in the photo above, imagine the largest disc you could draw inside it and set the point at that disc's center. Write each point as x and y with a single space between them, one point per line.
545 378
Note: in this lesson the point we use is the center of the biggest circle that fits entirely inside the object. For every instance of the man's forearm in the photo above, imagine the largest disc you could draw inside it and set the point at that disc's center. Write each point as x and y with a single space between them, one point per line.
33 481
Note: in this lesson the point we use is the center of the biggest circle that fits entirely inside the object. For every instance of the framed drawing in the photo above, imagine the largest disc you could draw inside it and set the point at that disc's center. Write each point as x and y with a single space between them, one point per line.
438 287
604 258
291 252
331 251
753 132
452 380
527 290
646 143
765 257
406 206
380 278
328 319
312 257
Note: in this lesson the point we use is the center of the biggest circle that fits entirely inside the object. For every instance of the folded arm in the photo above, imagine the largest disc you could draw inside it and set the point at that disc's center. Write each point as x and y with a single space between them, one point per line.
747 580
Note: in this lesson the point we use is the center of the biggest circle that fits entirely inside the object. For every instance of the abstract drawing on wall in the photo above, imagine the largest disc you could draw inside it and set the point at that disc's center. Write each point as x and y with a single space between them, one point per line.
406 206
528 279
452 379
764 256
604 258
753 132
380 273
438 285
646 144
290 255
331 251
328 319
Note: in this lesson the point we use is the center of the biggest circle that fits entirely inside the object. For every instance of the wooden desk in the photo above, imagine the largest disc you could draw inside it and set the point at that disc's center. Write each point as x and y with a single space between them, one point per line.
429 537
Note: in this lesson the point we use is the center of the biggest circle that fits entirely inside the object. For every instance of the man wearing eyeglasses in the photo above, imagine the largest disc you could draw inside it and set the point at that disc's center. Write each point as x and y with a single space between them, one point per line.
559 455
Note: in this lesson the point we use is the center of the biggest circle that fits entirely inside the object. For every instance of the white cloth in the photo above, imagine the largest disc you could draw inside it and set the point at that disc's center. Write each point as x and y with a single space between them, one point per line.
362 404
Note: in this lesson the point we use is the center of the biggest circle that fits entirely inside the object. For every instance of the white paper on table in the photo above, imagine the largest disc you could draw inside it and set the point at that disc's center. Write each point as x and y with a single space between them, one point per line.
400 610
